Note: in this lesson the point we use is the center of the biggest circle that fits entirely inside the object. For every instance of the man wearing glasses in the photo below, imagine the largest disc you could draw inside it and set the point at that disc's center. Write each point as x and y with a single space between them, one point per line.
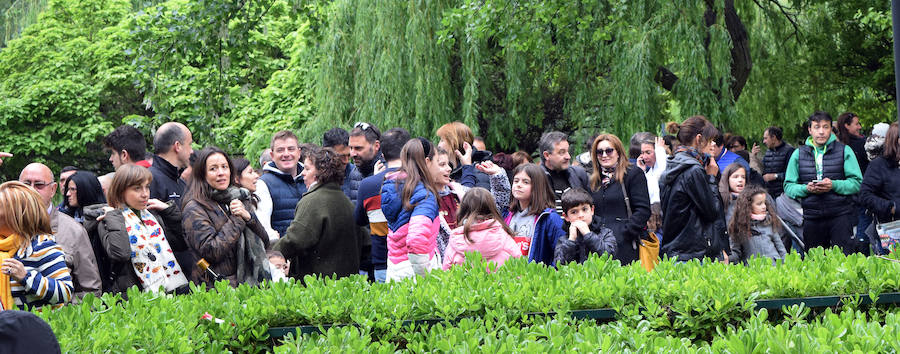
365 147
69 234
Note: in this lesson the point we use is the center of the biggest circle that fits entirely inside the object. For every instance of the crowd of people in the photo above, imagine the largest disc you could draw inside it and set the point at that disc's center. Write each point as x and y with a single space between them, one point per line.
391 206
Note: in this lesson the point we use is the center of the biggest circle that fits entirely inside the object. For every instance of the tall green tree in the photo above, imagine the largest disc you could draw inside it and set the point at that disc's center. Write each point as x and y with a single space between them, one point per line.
65 85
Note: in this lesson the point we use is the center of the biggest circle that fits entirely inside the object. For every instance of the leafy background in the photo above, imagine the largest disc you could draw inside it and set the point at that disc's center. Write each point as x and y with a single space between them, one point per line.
235 71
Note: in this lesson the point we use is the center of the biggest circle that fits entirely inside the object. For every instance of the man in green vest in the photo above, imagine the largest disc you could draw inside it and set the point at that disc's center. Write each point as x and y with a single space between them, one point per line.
823 174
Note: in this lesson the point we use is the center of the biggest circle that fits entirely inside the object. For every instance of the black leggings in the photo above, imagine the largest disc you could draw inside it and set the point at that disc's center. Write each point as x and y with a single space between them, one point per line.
828 232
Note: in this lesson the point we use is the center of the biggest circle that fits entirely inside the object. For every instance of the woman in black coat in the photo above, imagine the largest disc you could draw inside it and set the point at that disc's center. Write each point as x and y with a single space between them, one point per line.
693 224
612 171
880 190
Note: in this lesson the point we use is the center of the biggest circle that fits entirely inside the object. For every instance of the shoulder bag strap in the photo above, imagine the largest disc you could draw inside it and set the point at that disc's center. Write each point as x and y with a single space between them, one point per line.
627 201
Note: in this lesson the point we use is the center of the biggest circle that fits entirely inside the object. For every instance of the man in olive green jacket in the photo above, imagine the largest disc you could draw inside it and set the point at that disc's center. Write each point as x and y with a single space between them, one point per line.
323 239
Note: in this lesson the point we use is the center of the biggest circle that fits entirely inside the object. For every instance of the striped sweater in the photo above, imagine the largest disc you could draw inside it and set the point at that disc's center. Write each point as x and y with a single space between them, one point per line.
47 280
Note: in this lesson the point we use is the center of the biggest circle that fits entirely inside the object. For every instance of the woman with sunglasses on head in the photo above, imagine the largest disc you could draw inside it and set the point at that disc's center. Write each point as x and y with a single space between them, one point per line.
621 198
82 190
33 270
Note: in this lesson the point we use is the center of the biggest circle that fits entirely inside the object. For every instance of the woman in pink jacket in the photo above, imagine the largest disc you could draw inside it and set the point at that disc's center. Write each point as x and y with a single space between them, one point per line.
483 231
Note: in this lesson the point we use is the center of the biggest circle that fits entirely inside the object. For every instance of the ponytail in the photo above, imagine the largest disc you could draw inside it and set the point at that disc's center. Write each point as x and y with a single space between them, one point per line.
672 128
691 127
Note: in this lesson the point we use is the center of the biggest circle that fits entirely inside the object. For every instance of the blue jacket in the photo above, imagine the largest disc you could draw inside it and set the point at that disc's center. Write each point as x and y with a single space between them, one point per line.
286 192
411 231
392 203
352 178
727 157
547 231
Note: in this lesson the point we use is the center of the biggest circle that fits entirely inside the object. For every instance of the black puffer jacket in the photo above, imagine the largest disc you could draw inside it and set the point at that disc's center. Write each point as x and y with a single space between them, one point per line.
880 189
600 240
693 221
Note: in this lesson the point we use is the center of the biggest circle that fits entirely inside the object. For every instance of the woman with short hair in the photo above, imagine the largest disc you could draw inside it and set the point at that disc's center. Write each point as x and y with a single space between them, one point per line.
323 239
135 245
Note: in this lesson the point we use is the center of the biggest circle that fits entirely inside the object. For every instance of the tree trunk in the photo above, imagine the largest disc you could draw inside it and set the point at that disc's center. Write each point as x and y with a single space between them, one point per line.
741 63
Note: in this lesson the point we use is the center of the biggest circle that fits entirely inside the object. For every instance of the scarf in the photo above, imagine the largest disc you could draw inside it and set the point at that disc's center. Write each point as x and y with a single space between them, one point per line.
152 257
252 263
8 248
700 156
606 175
759 217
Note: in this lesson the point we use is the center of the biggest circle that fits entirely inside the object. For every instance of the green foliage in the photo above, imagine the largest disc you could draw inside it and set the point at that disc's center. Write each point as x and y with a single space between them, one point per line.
849 331
63 84
691 300
235 71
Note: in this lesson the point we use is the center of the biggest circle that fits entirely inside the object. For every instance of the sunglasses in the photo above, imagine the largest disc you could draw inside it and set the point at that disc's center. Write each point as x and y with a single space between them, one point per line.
607 151
368 127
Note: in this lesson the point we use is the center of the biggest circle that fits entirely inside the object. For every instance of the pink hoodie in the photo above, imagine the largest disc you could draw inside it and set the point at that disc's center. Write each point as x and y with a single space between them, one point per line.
488 238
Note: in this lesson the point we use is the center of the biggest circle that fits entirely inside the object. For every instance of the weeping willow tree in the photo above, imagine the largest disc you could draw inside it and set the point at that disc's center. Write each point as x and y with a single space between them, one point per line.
512 69
15 15
382 62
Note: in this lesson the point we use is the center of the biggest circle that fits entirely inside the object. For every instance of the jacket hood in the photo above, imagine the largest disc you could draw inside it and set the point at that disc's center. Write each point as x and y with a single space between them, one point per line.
484 238
270 168
810 142
676 165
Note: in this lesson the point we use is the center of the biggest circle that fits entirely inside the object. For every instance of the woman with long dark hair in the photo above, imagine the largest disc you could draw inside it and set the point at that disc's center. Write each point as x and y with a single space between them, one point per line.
219 226
82 190
693 223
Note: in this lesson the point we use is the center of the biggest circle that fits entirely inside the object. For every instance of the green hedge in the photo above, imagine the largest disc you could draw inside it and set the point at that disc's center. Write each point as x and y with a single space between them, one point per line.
689 300
849 331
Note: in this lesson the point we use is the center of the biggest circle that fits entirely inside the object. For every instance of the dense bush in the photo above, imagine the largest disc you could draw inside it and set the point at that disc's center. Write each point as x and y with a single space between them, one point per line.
848 331
692 300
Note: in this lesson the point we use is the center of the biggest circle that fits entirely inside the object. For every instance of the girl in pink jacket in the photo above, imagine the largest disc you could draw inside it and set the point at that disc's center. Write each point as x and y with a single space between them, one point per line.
483 231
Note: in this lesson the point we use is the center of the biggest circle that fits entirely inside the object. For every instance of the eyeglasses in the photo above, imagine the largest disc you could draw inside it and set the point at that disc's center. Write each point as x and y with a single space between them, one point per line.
607 151
39 185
